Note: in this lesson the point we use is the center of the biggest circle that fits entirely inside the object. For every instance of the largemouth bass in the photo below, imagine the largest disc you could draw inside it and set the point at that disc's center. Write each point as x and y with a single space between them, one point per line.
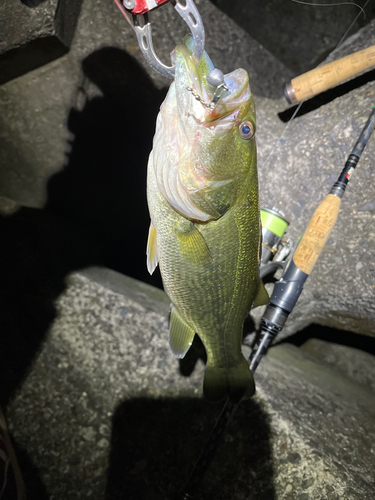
202 192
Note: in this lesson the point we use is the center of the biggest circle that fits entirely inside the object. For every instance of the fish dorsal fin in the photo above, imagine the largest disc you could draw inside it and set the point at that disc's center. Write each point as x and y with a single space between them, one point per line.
152 250
181 335
192 243
262 297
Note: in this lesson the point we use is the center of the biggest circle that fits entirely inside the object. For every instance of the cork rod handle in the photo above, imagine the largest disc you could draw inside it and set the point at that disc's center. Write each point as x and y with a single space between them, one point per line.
325 77
316 234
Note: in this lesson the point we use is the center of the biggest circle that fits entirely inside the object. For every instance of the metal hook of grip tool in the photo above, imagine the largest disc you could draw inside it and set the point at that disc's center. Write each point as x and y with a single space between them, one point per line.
189 14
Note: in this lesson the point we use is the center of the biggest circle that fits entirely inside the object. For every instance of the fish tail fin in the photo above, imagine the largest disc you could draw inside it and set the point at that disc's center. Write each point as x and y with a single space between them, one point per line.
234 382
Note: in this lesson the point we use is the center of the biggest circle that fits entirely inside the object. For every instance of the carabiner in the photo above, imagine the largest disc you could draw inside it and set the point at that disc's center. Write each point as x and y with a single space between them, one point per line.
189 14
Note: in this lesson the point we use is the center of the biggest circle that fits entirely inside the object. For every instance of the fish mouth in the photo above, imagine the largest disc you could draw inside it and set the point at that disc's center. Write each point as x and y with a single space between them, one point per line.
191 85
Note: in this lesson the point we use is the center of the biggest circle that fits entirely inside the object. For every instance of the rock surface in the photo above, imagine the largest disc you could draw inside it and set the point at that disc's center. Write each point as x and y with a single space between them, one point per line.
70 142
32 37
297 171
306 33
98 406
34 108
353 363
104 411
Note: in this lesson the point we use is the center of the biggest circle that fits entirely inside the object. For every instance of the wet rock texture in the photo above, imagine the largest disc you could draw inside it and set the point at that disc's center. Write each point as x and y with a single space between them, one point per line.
105 412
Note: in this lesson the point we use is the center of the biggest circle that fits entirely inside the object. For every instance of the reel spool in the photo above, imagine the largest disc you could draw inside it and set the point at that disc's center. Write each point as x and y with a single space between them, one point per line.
274 225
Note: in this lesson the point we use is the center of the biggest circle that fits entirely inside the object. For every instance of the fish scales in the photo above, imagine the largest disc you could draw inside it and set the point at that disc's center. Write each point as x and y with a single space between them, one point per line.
202 192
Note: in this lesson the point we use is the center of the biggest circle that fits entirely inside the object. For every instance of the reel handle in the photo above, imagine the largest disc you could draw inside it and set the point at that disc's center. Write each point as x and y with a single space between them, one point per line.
325 77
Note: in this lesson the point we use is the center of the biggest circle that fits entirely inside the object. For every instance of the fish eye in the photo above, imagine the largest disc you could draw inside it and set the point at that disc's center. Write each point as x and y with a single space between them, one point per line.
246 130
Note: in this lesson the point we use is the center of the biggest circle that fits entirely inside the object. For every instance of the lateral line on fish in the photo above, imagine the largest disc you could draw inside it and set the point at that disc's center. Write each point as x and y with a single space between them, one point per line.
235 290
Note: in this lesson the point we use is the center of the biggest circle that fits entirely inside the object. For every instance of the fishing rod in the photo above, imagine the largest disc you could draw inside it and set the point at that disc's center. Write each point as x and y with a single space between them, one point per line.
329 75
288 289
315 81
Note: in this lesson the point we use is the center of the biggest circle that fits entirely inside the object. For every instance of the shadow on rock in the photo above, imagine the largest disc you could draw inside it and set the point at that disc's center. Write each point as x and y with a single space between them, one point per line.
341 337
37 252
155 444
103 186
196 352
35 489
96 213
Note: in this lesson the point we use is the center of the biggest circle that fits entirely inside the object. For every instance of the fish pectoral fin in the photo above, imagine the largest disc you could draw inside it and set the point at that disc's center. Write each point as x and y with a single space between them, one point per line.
192 243
181 335
262 297
152 250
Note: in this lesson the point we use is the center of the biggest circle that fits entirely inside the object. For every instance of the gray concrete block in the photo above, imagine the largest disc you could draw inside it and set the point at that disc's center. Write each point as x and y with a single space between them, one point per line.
34 108
34 147
300 34
353 363
297 167
32 37
104 411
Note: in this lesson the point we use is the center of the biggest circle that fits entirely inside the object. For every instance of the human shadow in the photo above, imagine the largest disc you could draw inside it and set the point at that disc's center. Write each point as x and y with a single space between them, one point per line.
96 214
103 186
37 251
156 442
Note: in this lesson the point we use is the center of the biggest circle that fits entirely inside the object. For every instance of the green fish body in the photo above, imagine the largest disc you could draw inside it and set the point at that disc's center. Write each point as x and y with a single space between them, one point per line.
202 192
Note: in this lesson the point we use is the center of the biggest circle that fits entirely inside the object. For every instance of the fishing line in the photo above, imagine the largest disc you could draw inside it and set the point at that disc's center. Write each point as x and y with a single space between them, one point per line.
331 5
337 46
347 31
283 133
124 13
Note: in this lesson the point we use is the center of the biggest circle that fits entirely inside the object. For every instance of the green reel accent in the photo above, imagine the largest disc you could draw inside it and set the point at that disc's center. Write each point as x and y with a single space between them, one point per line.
274 220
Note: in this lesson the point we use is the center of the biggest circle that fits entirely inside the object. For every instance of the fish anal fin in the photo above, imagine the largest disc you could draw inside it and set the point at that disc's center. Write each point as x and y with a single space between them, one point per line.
152 250
262 297
181 335
192 244
235 382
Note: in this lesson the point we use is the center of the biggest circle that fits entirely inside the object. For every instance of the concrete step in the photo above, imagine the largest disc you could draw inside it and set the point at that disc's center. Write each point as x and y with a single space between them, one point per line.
300 35
33 35
353 363
105 410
